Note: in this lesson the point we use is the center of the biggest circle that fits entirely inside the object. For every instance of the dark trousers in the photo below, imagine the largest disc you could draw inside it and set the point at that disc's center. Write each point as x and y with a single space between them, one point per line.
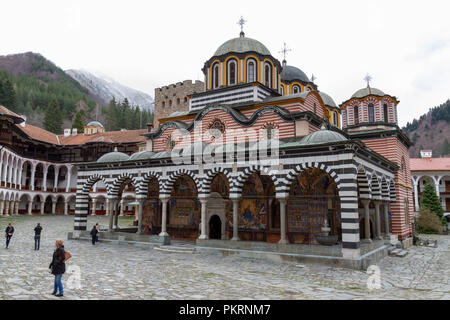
8 238
37 242
94 239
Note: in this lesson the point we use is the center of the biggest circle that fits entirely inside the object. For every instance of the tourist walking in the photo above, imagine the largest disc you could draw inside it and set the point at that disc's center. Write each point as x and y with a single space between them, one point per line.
58 267
37 236
9 231
94 233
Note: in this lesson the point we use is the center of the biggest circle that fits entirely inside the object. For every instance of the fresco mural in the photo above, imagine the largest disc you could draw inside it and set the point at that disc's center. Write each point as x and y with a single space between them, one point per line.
252 209
151 208
184 209
313 198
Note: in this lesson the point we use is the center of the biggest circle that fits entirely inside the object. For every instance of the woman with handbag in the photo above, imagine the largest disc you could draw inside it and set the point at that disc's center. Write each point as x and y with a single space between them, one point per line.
58 267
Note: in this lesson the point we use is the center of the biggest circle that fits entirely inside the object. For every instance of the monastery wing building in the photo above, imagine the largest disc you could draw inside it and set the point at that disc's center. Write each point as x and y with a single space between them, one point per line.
261 159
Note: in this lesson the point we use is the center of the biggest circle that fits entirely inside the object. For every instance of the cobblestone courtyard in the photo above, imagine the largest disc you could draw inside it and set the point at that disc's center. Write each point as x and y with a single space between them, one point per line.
111 271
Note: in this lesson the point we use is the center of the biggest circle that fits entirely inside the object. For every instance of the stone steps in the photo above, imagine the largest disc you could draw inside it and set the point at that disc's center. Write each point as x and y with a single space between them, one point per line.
175 249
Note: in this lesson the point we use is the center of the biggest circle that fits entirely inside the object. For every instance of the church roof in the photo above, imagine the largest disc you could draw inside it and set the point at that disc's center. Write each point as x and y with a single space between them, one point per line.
429 164
322 137
327 100
240 45
142 155
367 92
95 124
113 157
291 73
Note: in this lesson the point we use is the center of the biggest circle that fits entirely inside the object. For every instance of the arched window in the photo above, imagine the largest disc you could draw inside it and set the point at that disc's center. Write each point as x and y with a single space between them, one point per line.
215 76
231 72
282 90
270 131
164 104
178 101
268 75
251 70
315 108
385 113
295 89
170 103
185 99
355 114
371 113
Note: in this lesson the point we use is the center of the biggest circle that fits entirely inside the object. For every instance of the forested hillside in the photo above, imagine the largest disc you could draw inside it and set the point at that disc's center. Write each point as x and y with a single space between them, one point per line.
33 86
431 131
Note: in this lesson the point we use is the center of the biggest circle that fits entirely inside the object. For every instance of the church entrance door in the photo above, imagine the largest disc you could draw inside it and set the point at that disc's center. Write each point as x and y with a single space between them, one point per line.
215 227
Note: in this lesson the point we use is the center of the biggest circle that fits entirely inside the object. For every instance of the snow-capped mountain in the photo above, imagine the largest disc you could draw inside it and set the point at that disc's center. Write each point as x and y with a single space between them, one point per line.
106 88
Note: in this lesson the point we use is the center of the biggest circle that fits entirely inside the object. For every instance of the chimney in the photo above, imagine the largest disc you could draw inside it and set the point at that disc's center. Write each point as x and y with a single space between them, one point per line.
66 133
149 127
24 117
74 132
426 153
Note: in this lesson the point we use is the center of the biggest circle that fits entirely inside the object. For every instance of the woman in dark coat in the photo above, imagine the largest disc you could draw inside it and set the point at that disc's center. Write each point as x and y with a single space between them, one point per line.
58 267
94 233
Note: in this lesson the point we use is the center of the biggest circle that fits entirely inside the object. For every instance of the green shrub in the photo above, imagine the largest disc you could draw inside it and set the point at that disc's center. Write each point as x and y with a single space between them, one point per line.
428 222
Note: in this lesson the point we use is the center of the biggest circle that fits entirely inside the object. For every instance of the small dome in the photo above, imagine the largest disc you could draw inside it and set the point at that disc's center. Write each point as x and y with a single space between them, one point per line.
327 100
240 45
290 73
141 155
113 157
95 124
322 137
367 92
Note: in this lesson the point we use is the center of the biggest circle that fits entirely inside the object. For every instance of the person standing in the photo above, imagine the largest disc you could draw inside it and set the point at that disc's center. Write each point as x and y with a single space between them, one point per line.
9 231
94 232
58 267
37 236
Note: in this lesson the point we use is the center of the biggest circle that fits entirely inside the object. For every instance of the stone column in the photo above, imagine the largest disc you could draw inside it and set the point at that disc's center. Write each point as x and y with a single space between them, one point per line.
55 184
436 185
68 179
416 196
111 213
16 208
12 205
164 218
235 219
94 205
33 173
6 207
116 215
42 207
107 207
282 221
2 205
66 208
203 234
377 220
386 221
30 207
366 221
122 204
53 206
44 180
140 209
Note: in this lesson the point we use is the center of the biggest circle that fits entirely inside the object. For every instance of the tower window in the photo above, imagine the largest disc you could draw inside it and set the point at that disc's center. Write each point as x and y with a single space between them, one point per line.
295 89
231 72
215 76
268 75
335 119
164 104
282 90
170 103
371 113
251 71
315 108
178 101
385 112
356 115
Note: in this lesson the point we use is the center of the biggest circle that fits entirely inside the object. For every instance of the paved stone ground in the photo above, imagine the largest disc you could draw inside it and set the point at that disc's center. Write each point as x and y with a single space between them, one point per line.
111 271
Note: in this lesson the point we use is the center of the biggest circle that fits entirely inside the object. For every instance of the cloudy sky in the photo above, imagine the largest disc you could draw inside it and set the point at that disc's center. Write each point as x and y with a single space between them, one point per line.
403 45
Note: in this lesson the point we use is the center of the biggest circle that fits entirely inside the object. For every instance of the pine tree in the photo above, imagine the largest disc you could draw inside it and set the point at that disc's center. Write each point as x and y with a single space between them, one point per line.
78 122
445 148
9 100
431 201
53 117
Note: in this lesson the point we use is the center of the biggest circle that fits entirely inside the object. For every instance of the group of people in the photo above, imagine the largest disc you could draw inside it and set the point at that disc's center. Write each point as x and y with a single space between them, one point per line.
60 256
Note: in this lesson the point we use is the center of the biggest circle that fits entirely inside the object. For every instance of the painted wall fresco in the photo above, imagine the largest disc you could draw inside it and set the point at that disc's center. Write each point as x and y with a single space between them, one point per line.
150 216
252 209
184 207
313 198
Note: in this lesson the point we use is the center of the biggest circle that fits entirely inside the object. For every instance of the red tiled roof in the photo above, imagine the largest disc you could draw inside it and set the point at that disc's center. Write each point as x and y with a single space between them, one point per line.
430 164
127 136
6 111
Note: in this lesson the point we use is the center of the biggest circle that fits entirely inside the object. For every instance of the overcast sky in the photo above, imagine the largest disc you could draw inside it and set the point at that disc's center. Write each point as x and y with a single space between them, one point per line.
403 45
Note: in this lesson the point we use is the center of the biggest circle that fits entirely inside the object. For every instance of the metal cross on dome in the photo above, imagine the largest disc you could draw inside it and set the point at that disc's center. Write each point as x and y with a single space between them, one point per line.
284 51
368 78
241 22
